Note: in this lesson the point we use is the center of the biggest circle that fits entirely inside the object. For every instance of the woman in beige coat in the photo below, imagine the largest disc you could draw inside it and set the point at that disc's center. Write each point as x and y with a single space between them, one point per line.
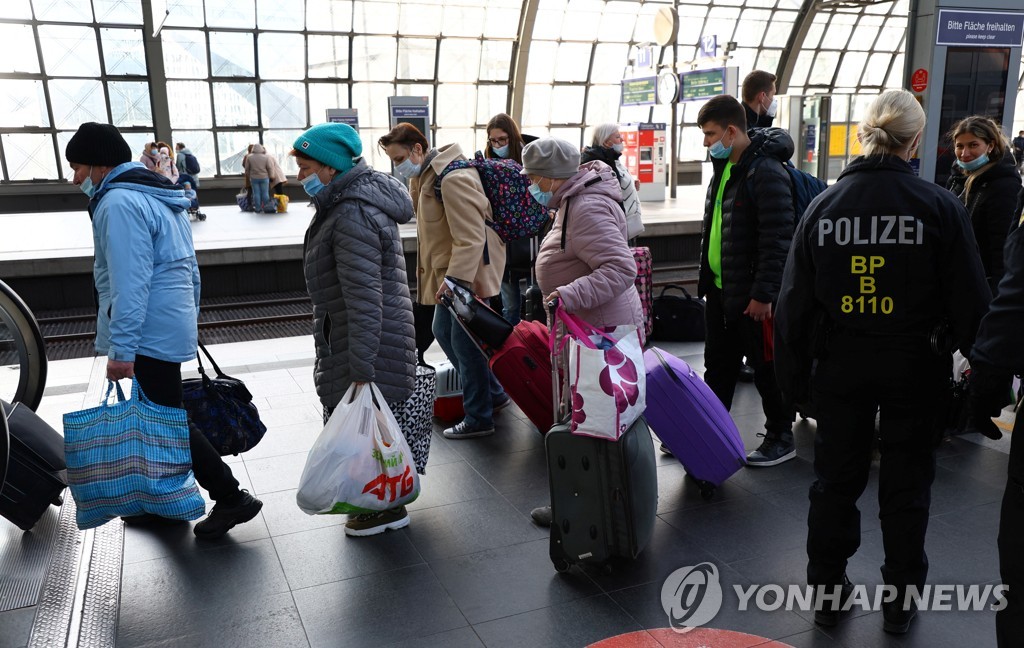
452 241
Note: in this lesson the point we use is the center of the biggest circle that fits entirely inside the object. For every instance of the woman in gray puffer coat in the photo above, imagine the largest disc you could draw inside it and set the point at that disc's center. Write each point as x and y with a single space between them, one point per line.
355 274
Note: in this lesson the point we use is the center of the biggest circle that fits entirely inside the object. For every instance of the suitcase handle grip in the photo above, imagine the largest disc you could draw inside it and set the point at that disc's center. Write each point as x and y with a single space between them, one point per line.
676 287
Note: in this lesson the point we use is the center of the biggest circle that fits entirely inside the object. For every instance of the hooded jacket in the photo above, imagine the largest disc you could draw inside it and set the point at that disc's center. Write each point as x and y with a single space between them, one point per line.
993 208
257 164
145 270
630 200
355 275
151 161
757 222
595 272
179 160
881 253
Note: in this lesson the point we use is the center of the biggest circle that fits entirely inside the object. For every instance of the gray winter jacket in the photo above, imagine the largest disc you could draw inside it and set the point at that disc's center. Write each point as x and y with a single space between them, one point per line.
355 275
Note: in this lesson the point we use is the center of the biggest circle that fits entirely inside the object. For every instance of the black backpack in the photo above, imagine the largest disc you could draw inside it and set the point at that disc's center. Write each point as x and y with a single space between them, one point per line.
191 164
805 186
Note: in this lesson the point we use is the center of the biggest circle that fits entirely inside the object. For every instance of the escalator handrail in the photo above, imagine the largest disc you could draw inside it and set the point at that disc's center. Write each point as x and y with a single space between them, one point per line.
32 393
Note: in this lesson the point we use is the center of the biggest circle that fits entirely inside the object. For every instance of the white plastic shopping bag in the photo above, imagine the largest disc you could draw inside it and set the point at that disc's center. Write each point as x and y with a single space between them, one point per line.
607 381
360 463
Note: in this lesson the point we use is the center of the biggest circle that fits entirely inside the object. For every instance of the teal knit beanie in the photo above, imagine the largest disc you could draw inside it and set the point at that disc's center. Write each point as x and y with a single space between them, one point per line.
332 144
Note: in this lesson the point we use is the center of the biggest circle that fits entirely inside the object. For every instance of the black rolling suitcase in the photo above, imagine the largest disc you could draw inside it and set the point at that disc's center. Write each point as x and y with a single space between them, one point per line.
36 472
604 494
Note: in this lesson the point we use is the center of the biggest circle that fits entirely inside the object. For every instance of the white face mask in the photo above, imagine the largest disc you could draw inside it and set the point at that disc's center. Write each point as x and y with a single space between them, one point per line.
773 108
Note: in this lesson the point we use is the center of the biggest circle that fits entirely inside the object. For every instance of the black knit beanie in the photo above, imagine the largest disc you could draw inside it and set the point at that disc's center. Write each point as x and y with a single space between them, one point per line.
98 145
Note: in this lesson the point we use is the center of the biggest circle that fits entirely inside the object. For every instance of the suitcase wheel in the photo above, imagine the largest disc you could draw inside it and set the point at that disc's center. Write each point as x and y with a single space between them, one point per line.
561 565
707 489
58 501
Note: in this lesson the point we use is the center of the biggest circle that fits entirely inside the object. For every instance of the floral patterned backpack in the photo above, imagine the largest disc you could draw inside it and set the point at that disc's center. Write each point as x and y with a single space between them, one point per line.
516 215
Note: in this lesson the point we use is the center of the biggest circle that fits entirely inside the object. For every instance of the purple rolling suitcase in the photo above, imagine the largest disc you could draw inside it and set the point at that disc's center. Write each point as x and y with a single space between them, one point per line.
689 419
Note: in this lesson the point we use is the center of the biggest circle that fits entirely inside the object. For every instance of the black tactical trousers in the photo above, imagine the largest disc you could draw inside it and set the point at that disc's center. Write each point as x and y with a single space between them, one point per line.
907 385
726 345
1010 620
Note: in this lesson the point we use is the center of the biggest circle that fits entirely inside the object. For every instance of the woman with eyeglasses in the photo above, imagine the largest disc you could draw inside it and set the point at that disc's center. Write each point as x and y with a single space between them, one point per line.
504 141
607 146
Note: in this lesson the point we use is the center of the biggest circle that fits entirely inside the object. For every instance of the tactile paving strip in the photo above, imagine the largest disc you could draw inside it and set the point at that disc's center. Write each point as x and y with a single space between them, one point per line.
23 560
103 593
53 613
96 556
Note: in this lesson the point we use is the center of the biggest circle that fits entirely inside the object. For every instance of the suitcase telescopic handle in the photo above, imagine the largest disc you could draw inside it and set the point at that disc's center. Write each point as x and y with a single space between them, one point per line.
556 357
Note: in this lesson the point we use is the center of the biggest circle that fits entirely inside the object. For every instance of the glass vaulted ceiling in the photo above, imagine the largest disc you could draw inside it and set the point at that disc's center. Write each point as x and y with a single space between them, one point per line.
243 71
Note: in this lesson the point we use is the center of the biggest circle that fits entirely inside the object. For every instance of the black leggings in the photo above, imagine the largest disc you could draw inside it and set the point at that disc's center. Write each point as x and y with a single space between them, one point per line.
161 382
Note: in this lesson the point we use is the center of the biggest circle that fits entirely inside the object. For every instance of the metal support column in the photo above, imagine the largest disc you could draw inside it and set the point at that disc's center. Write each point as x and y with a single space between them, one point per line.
154 51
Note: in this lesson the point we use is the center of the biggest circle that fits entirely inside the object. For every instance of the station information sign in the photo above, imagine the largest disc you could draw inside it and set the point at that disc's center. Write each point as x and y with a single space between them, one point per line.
702 84
639 92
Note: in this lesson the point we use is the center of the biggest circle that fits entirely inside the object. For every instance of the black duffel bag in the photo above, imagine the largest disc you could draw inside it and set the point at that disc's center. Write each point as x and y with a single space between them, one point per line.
678 319
222 409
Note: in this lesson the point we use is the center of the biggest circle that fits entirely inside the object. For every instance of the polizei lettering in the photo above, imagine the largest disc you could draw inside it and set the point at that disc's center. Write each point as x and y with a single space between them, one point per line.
871 230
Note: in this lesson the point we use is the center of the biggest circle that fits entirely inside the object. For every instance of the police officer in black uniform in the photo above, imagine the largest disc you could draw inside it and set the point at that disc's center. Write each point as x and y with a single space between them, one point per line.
883 280
999 353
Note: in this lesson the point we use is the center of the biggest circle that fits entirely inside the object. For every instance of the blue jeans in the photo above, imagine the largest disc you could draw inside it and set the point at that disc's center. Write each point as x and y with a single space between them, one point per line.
511 296
480 389
260 194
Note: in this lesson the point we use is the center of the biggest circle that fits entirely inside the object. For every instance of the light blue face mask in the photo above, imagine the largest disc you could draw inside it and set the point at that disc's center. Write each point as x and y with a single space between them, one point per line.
618 147
408 169
154 152
543 197
501 151
974 164
719 150
87 187
312 184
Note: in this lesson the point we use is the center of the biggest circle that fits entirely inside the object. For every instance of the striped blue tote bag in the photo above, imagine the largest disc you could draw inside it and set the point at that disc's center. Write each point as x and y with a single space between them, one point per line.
129 458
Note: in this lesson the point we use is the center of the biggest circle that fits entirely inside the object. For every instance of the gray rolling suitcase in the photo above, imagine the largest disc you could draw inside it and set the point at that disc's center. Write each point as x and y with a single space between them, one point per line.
604 494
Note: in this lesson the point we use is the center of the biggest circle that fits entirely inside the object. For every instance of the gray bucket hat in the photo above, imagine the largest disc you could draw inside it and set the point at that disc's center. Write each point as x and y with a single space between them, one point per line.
551 158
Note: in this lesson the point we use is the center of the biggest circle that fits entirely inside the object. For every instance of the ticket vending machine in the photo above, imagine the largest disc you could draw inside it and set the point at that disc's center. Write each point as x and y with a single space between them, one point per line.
645 150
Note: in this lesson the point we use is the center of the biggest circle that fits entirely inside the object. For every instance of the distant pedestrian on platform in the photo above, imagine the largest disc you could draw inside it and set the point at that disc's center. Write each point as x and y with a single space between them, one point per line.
1018 149
150 156
258 168
165 162
147 280
186 162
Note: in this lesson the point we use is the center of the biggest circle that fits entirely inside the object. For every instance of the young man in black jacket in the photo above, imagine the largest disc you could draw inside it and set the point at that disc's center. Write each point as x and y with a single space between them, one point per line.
748 226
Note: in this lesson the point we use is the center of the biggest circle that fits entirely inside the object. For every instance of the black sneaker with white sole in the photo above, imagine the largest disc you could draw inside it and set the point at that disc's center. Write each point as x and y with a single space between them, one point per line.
772 451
